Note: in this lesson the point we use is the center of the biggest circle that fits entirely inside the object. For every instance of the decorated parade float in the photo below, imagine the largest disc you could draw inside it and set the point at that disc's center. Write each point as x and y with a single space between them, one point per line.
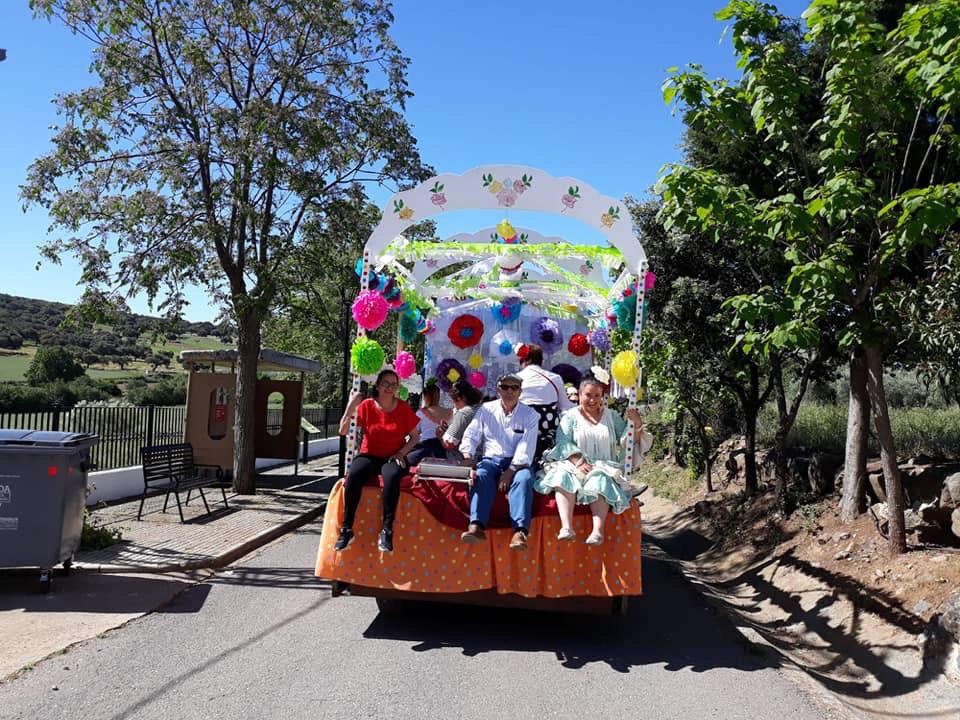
475 298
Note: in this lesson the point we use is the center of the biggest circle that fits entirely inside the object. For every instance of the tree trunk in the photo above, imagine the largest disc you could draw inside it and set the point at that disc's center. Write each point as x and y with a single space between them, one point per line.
344 357
707 460
897 540
858 424
750 450
244 430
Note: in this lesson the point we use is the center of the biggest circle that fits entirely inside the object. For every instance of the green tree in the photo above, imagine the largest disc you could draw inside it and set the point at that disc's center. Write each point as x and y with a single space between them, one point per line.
863 183
51 364
213 131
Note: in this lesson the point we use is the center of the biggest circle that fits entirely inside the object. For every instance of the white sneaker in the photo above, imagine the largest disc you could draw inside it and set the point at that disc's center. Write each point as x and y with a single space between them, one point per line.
594 539
566 534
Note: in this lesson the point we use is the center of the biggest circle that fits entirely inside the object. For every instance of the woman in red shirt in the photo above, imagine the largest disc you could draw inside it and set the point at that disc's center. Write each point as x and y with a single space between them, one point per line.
390 430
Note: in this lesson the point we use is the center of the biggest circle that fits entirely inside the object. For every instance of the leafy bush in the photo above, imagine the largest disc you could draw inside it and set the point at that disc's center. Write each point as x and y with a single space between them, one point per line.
169 391
25 398
51 364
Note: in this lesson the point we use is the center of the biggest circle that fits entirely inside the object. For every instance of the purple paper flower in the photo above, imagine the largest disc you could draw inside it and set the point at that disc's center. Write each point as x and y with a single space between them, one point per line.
448 372
570 375
599 339
545 332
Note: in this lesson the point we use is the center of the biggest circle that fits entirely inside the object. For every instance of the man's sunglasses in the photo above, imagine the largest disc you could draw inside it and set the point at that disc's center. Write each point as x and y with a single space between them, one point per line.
508 387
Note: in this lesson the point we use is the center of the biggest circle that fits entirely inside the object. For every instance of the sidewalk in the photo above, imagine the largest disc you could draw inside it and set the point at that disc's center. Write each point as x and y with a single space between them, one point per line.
157 558
161 543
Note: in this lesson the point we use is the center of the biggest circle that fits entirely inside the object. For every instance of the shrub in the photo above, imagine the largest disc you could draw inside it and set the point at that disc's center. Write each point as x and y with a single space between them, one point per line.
170 391
24 398
51 364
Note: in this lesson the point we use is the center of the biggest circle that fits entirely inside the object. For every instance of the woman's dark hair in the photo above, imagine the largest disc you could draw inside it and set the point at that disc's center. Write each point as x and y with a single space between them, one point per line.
462 390
590 379
380 376
431 393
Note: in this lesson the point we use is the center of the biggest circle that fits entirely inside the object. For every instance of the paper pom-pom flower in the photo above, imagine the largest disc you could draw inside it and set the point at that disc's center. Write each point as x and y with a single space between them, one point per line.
599 338
369 310
475 361
625 369
367 356
569 373
403 393
408 326
507 311
649 280
545 332
505 347
626 311
428 327
578 344
405 365
448 372
465 331
478 379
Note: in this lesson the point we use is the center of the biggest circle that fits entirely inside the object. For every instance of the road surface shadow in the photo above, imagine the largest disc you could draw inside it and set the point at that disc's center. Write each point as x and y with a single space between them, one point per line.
670 625
91 593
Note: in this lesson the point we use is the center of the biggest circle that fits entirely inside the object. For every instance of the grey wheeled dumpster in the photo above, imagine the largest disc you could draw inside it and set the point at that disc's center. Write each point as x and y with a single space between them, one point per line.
43 482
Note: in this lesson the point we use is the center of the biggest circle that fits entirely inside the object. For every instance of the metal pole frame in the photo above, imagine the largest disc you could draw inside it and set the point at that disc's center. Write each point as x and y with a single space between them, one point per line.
634 392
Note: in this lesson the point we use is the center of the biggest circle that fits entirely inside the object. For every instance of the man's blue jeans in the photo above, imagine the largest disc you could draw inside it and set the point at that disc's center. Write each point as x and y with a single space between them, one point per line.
520 494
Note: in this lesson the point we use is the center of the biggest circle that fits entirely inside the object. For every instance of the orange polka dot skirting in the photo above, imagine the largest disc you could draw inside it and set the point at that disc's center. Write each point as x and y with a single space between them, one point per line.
429 556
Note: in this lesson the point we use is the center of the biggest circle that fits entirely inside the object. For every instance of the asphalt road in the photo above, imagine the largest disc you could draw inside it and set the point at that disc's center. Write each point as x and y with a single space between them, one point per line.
266 640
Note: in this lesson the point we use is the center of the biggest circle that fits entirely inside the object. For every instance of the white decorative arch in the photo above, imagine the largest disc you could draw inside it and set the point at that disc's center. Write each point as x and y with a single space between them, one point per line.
486 188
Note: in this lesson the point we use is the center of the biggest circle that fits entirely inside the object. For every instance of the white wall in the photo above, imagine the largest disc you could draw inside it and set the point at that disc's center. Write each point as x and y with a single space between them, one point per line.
119 483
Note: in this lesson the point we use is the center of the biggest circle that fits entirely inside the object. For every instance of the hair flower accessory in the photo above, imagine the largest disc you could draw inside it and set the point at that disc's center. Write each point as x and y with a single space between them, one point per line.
367 356
369 310
600 374
578 344
545 332
405 365
448 372
465 331
599 338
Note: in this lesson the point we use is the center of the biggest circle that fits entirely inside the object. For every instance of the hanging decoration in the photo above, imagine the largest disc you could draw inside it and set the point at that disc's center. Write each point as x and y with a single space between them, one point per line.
578 345
509 263
448 372
507 311
403 393
649 280
405 364
478 379
625 369
369 310
502 343
599 339
414 383
408 327
465 331
570 375
367 356
546 333
475 361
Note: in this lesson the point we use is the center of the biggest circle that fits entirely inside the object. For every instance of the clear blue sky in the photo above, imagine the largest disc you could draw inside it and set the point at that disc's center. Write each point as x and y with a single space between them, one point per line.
570 87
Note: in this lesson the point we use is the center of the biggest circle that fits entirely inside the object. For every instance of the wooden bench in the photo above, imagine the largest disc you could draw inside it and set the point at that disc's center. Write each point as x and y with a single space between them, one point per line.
170 469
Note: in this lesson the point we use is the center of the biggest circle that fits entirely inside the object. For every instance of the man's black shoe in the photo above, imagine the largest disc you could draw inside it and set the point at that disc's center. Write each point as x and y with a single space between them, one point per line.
343 542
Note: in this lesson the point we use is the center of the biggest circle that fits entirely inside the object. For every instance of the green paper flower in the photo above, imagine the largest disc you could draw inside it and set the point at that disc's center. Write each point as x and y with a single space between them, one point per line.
367 356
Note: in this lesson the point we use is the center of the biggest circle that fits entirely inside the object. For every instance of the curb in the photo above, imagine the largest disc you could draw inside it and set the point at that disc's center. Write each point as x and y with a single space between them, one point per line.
218 561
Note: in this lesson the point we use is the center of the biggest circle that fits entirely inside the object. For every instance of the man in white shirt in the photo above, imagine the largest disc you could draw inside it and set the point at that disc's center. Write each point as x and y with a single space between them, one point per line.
544 392
507 430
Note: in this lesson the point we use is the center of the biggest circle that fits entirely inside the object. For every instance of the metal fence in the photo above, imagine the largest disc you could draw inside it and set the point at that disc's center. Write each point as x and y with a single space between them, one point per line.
124 429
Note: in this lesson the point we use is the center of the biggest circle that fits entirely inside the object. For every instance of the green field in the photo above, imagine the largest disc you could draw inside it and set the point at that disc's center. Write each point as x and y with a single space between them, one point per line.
14 363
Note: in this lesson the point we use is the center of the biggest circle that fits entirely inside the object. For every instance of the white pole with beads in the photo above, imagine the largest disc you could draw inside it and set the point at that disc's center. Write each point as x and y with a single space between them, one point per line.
633 393
352 433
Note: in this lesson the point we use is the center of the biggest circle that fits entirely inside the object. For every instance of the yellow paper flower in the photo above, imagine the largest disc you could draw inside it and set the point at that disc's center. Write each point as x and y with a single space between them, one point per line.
625 369
453 375
475 361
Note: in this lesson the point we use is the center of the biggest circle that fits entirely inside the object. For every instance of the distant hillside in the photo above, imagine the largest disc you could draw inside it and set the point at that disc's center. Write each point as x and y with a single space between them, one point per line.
26 320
